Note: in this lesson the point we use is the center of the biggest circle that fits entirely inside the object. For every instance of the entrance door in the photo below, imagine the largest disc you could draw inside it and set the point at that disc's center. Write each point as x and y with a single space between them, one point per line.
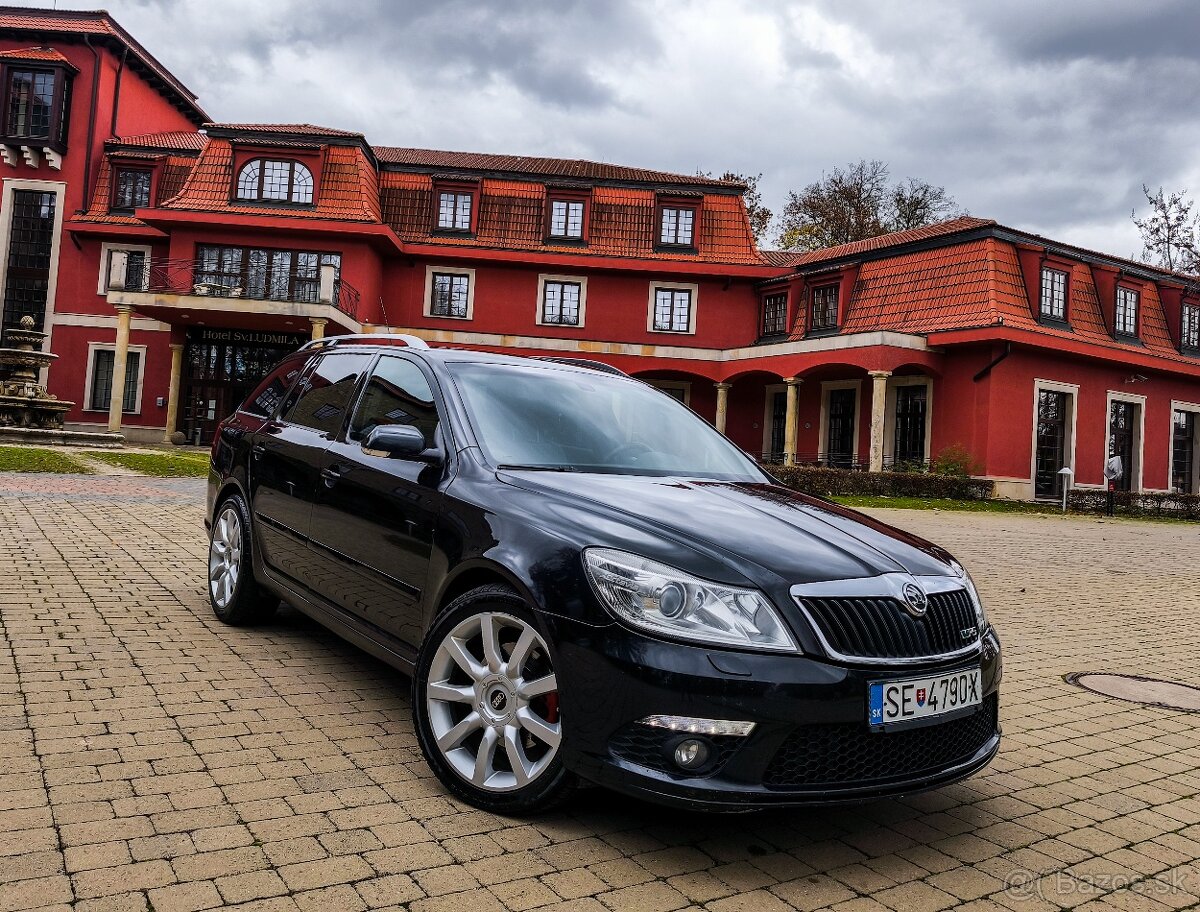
839 434
910 424
777 443
1051 443
1183 452
1121 429
374 515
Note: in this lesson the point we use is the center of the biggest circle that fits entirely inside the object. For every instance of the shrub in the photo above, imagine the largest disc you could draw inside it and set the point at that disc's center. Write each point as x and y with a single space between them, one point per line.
1125 503
826 482
955 460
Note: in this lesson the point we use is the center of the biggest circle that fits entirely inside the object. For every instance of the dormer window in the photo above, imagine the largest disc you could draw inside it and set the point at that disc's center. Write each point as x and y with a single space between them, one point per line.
30 103
131 189
1053 304
1125 320
774 314
454 210
676 224
566 219
1190 336
824 311
275 180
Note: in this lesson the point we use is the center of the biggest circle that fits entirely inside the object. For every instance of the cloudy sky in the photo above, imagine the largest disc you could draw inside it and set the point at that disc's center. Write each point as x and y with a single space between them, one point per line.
1045 115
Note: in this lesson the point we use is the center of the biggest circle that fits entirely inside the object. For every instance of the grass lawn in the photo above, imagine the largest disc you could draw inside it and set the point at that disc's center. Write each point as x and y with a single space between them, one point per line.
945 503
166 465
33 459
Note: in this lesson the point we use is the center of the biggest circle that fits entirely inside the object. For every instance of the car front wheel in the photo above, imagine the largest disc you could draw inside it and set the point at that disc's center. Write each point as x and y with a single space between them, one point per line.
234 593
485 702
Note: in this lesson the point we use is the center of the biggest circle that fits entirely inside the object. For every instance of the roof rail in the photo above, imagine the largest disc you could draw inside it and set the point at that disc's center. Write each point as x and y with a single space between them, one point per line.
385 338
586 362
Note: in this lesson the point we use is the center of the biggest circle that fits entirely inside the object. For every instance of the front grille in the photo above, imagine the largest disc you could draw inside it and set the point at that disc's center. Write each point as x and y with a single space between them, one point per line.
881 628
852 755
652 747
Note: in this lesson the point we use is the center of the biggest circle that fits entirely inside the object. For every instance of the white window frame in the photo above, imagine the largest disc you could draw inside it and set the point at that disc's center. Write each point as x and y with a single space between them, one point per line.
677 209
106 250
673 286
1178 405
449 270
823 428
94 347
1137 311
1136 473
889 418
1072 390
59 189
567 235
458 196
581 281
1042 294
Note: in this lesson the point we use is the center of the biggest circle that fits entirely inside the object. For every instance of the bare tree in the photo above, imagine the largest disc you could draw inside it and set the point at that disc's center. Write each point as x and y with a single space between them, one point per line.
760 216
1170 233
858 202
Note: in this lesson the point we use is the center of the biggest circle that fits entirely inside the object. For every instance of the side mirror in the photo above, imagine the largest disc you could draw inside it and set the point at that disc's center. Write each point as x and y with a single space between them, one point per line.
401 440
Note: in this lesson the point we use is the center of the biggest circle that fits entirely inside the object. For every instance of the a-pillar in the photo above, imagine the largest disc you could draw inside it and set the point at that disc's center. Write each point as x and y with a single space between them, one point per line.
173 391
722 405
791 423
878 399
120 362
318 327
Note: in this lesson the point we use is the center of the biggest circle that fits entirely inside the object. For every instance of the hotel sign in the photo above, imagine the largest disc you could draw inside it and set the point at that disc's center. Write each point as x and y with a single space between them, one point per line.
247 337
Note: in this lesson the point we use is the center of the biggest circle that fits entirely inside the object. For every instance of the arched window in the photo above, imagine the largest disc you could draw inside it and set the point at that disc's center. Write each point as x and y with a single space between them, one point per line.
275 180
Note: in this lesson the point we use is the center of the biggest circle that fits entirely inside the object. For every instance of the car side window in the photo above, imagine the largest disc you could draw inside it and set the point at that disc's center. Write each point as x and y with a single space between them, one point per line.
319 400
263 401
396 393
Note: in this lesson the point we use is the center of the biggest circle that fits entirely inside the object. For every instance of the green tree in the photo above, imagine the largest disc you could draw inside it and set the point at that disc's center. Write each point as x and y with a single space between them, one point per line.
859 202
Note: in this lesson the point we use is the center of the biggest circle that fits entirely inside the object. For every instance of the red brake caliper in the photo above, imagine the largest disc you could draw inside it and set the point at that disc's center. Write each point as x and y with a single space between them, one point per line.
552 706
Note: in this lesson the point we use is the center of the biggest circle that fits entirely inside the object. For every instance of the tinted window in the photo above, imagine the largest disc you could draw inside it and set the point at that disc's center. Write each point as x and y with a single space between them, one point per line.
264 400
320 398
397 393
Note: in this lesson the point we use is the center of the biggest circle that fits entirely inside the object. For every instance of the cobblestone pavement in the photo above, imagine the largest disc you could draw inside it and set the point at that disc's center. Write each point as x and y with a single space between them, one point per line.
150 758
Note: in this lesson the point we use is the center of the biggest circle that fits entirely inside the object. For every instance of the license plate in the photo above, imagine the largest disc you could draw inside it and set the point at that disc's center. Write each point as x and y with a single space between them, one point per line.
891 702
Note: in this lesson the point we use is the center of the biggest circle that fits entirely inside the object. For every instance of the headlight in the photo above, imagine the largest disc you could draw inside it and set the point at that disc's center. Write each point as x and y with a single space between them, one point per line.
661 599
981 619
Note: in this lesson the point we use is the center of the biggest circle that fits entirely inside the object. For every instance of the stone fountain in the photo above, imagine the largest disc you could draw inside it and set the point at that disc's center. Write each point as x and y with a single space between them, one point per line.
28 413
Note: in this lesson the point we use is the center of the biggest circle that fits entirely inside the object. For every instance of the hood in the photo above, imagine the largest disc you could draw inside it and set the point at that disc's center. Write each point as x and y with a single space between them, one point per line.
762 530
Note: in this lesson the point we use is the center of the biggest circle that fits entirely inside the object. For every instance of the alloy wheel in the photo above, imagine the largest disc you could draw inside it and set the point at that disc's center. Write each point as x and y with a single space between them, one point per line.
492 699
225 557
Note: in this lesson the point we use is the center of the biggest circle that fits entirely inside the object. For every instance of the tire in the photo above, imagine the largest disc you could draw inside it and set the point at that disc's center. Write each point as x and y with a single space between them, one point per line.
236 597
473 710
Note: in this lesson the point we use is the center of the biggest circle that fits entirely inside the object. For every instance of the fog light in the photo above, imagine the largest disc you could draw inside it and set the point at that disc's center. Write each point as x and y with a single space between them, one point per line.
691 753
688 725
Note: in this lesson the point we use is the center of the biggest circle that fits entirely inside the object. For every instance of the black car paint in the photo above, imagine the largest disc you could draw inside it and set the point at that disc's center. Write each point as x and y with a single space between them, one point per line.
375 548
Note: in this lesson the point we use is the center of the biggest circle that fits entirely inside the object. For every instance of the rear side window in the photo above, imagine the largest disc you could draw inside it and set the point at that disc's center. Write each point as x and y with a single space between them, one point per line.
397 393
264 400
320 398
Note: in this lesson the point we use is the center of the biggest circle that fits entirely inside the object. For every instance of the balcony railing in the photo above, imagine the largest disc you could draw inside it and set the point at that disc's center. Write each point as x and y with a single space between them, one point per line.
846 461
322 285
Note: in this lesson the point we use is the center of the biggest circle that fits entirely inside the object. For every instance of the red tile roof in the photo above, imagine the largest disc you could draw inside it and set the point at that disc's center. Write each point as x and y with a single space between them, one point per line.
347 191
542 167
175 140
97 22
881 242
512 216
35 53
303 129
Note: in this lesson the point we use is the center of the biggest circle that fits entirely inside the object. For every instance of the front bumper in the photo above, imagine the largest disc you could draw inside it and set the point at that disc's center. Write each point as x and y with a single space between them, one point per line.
811 743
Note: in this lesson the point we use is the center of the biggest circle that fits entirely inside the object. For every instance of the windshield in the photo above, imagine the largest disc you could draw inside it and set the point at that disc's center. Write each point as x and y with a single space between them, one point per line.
583 421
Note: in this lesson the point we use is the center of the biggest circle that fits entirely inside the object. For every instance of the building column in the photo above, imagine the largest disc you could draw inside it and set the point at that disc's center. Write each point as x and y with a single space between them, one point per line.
173 391
120 361
791 424
722 404
318 327
878 403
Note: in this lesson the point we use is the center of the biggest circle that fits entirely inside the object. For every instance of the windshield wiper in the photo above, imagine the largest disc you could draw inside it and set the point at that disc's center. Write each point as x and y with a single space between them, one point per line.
512 467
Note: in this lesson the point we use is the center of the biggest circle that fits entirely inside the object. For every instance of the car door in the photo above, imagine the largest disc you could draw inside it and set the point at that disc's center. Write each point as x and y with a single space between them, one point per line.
286 456
376 513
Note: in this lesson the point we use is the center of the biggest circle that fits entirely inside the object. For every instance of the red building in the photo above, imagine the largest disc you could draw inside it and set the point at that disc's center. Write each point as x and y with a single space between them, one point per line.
173 259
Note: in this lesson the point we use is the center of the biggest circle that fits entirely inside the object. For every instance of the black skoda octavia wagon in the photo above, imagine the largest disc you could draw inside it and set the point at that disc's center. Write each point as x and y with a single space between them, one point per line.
588 583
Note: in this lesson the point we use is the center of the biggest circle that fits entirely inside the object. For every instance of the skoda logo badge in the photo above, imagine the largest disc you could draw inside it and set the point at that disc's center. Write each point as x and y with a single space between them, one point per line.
916 602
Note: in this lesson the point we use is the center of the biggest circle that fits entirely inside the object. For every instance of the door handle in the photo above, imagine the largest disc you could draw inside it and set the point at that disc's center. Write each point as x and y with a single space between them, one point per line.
257 450
332 474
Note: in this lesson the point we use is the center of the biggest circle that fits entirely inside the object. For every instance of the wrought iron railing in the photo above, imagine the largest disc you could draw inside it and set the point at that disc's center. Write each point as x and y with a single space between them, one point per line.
193 277
825 460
